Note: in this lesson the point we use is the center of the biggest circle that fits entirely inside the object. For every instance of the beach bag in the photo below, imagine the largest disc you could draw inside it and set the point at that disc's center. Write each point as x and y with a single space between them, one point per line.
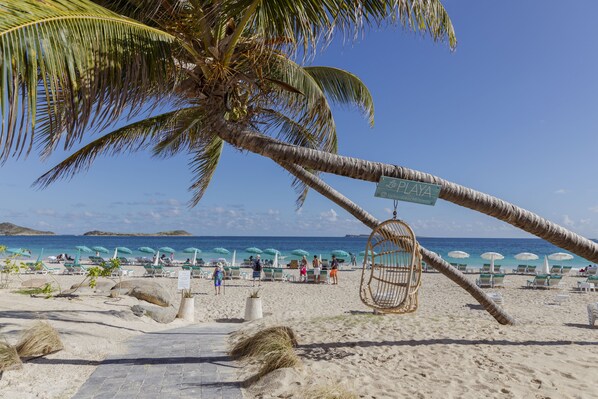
392 283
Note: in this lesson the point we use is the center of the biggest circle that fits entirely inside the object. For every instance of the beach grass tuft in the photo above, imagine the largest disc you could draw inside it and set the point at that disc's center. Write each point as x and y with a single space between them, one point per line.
264 341
272 348
39 340
9 358
329 392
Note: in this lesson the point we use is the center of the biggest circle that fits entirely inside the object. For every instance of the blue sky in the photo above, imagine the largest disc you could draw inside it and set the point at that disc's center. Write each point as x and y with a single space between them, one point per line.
512 112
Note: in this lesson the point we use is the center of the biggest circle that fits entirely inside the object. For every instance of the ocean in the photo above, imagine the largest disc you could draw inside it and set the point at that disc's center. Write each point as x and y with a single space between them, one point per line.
54 245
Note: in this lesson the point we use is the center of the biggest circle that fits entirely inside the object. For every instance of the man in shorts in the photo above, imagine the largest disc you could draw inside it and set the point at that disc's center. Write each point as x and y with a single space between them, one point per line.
317 268
257 271
334 270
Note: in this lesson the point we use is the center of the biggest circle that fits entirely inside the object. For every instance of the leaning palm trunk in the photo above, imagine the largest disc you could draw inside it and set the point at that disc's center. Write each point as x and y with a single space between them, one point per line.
372 171
428 256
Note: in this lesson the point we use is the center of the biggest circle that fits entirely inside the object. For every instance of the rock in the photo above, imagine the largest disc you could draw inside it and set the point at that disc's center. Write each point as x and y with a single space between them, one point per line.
160 314
34 283
147 290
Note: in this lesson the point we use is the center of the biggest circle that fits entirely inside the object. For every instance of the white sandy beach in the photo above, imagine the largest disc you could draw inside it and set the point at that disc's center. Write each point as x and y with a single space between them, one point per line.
449 348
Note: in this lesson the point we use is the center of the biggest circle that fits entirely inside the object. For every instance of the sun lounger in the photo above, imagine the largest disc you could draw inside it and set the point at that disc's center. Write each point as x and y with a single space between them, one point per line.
232 272
590 284
485 280
540 281
462 267
124 261
454 265
72 268
149 270
498 280
555 269
485 268
268 273
530 269
41 268
521 269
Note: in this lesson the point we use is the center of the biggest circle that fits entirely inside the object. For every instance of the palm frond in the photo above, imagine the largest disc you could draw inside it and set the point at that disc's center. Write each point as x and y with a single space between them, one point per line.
306 22
204 162
137 136
344 88
301 189
73 62
310 108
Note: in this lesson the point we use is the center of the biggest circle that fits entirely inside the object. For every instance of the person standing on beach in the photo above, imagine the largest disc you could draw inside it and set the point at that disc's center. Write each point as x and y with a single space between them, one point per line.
317 268
218 277
257 271
353 259
303 269
334 270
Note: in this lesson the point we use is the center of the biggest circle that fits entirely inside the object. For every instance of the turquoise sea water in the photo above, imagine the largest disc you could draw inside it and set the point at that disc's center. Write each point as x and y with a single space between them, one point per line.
508 247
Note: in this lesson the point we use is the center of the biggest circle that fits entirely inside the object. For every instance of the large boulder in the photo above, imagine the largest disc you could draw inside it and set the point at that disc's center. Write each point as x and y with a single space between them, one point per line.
160 314
147 290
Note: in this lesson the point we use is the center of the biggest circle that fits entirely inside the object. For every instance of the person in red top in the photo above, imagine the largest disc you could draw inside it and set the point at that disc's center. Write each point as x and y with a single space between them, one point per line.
334 270
303 269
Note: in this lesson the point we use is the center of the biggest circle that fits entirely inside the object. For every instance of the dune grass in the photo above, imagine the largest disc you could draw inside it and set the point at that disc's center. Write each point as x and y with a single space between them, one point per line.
9 358
39 340
328 392
272 348
264 341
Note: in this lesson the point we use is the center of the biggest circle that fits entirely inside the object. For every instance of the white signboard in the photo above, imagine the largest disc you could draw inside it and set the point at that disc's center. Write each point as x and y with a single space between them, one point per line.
184 280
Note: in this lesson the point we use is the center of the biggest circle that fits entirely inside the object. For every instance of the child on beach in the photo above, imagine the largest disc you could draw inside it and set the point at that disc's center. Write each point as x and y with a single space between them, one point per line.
334 270
218 276
303 269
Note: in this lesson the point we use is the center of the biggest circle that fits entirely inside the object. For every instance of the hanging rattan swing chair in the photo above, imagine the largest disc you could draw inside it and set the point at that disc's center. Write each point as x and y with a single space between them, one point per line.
391 284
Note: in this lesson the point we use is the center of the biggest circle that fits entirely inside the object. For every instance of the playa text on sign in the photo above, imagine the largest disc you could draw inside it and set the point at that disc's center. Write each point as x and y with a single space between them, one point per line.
407 190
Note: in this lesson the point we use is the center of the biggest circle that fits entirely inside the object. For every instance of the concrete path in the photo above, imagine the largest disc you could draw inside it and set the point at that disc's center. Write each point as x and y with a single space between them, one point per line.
187 362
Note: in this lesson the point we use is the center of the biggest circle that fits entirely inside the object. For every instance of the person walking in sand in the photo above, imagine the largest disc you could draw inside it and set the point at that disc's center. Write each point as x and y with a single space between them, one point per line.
257 271
218 276
334 270
317 268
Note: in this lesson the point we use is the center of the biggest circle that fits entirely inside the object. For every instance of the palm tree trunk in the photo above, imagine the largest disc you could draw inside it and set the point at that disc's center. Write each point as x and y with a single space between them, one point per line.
428 256
372 171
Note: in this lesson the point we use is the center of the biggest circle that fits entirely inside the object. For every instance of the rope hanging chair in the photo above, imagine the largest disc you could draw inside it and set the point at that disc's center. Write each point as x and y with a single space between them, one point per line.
392 282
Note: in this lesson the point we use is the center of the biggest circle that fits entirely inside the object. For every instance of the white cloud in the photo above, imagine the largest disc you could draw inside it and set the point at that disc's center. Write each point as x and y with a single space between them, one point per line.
560 191
594 208
330 215
567 221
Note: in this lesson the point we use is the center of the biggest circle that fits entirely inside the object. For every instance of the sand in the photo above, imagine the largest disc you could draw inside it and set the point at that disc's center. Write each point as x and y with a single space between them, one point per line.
449 348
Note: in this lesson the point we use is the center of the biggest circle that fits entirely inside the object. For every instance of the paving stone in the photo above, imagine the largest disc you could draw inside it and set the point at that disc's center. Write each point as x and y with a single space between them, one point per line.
187 362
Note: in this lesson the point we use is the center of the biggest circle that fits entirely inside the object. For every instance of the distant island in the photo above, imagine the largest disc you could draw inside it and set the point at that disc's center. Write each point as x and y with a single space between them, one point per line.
161 233
9 229
357 236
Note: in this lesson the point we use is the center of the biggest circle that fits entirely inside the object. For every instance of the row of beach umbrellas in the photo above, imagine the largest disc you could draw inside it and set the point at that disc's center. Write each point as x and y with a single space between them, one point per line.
492 256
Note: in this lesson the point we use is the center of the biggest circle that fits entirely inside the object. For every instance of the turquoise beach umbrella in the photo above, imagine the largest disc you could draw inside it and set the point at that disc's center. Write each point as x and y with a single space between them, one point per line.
253 250
300 252
271 251
124 250
100 249
221 250
83 248
166 249
146 250
339 252
19 252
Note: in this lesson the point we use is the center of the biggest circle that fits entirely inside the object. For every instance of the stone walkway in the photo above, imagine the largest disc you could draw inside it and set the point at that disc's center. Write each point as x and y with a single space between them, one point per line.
187 362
